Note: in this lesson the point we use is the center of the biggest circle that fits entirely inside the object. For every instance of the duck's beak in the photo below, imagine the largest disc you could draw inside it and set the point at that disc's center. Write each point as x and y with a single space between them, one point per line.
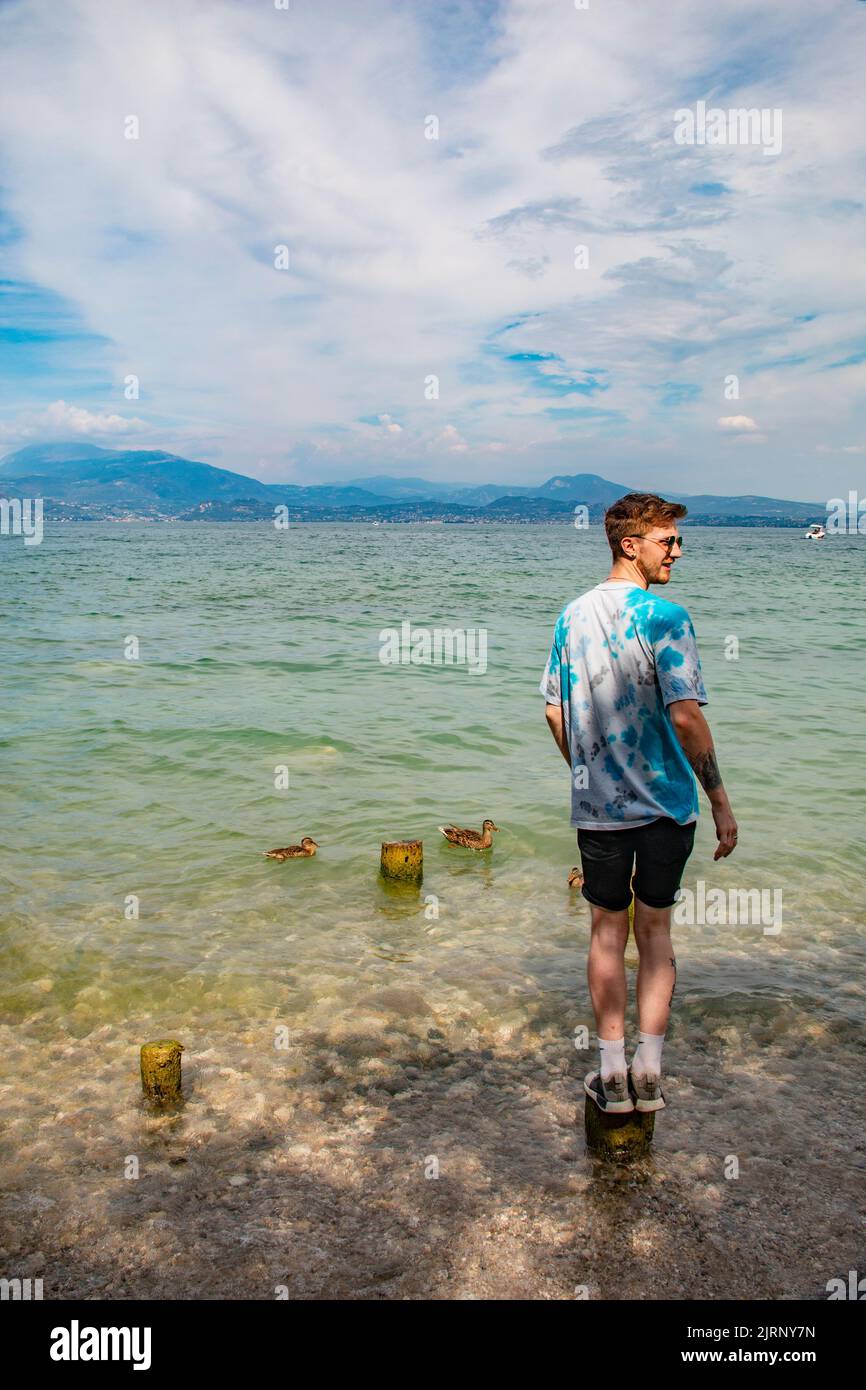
494 827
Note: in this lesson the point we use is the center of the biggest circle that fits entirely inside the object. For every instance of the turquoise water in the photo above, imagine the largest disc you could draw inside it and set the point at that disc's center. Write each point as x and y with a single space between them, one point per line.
260 649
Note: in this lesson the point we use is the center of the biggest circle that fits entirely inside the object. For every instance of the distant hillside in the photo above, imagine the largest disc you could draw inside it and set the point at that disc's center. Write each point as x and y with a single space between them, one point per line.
581 487
133 478
150 481
588 488
83 482
751 506
405 489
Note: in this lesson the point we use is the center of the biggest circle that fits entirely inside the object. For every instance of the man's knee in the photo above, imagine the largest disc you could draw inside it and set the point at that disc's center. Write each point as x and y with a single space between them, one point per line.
650 921
608 927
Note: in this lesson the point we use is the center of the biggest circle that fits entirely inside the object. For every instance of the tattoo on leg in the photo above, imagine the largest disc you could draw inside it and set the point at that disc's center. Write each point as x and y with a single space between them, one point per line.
673 961
706 770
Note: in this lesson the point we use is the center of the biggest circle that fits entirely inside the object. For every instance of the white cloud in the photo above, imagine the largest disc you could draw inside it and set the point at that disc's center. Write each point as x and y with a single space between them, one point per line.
61 421
452 441
390 425
737 424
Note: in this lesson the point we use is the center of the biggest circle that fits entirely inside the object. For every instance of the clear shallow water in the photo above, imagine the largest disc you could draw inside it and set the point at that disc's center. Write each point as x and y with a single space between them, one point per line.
257 648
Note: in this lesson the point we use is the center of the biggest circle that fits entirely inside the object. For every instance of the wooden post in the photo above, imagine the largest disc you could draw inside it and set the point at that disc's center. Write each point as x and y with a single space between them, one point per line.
403 859
160 1071
618 1138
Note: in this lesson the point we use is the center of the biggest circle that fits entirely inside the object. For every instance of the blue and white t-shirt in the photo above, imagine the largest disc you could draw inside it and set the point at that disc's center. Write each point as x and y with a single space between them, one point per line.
620 656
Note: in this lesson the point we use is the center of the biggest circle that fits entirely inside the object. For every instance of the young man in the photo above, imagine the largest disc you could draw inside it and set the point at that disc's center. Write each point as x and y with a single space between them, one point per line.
623 688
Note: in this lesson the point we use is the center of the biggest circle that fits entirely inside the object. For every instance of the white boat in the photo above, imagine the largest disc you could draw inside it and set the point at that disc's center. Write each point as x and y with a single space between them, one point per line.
816 532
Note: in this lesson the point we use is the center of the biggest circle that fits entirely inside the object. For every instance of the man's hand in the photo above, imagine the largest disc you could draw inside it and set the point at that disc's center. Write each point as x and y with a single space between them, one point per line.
693 732
726 830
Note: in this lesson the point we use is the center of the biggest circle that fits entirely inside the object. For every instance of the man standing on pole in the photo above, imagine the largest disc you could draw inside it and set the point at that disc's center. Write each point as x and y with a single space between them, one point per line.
624 691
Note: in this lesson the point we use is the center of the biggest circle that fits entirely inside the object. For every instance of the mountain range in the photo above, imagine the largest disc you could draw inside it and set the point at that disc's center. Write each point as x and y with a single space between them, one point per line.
83 482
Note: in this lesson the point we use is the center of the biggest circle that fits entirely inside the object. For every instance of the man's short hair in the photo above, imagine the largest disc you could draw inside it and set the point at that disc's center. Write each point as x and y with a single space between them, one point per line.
635 515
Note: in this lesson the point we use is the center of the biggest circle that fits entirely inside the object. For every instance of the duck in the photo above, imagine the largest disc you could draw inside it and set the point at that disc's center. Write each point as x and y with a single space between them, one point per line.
305 850
575 878
470 839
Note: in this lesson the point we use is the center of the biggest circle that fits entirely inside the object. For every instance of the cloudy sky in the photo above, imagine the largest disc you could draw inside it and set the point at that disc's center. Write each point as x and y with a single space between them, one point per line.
456 258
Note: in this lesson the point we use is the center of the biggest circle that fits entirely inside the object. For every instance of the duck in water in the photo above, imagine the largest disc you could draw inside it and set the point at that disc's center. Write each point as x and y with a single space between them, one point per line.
305 850
470 839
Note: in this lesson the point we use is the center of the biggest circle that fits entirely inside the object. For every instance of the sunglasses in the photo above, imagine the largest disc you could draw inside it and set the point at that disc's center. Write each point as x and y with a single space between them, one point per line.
668 541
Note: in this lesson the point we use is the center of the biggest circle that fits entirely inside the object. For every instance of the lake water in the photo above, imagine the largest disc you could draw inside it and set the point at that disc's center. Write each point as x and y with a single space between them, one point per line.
153 779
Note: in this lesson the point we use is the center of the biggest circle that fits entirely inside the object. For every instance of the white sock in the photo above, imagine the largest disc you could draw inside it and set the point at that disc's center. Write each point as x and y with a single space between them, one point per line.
612 1052
648 1057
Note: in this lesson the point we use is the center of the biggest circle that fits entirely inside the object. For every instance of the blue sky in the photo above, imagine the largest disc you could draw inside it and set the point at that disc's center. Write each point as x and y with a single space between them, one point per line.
456 257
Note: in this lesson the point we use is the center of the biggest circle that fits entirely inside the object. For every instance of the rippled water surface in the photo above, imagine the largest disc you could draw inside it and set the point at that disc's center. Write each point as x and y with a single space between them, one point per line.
153 779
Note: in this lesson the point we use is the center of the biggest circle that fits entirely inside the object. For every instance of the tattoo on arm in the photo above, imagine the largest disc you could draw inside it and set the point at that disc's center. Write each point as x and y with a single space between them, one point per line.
706 769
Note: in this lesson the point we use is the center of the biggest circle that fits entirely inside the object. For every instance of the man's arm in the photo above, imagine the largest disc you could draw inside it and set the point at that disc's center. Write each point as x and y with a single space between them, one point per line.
693 732
556 724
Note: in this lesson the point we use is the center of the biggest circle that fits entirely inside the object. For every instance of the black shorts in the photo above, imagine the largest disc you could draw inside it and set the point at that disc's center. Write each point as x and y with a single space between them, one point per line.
656 854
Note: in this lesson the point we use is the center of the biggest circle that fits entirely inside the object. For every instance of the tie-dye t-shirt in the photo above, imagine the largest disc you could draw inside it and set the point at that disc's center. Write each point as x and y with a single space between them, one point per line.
620 656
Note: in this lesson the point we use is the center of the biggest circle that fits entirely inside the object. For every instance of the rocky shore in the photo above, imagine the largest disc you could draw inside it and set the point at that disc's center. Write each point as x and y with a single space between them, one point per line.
400 1155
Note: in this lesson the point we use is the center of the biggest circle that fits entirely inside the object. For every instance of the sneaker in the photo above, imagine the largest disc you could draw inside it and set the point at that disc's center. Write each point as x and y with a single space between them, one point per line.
611 1096
646 1092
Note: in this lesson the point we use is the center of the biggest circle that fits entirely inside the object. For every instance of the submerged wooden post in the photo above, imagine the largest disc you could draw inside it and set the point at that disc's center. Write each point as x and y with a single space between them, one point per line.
618 1138
160 1071
403 859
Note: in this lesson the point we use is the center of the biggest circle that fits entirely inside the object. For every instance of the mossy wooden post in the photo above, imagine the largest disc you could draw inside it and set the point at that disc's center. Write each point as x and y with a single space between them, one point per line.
618 1138
160 1071
403 860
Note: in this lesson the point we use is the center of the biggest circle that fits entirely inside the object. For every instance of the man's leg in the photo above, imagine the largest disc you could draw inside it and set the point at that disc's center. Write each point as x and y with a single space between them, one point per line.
657 970
607 858
605 971
662 850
